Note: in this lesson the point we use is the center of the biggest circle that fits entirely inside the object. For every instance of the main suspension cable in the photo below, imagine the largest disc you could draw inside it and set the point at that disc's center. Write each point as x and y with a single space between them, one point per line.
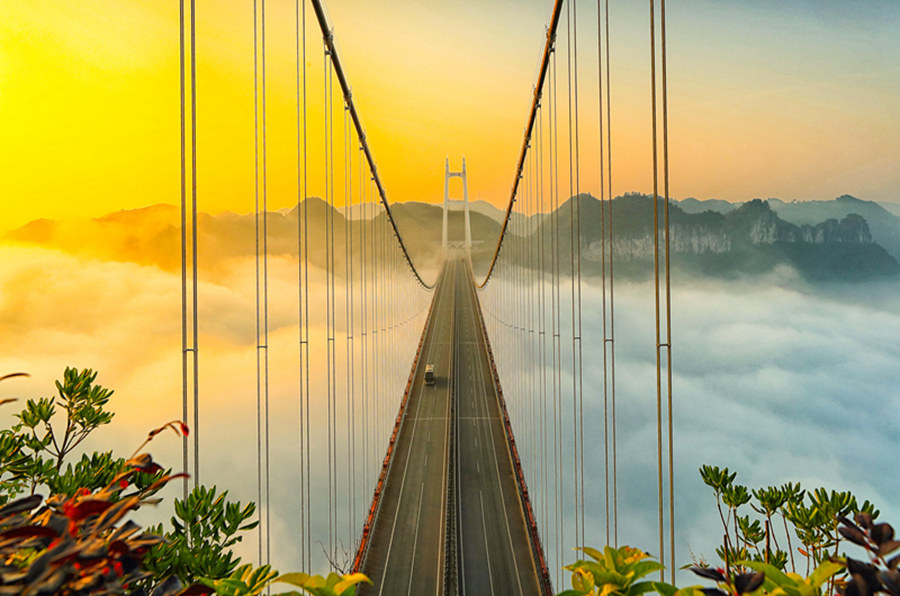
330 45
529 128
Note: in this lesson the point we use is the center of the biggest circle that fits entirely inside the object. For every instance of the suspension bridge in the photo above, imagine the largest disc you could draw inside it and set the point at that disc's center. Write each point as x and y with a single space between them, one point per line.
479 479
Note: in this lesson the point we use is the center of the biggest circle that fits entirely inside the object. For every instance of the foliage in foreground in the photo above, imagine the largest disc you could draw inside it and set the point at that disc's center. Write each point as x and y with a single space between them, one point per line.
615 571
753 562
77 540
779 515
81 544
247 581
621 572
204 529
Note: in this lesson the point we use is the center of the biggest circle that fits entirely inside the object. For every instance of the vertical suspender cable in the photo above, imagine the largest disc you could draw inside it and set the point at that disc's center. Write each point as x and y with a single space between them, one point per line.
332 300
555 313
328 311
357 330
542 334
603 270
577 385
189 332
259 481
265 286
364 325
662 310
195 323
608 298
348 297
612 278
184 322
332 306
575 275
659 432
261 250
377 364
572 201
668 299
303 283
308 427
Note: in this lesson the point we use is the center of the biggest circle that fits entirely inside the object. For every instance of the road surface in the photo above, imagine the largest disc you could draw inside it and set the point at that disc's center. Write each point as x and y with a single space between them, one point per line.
406 553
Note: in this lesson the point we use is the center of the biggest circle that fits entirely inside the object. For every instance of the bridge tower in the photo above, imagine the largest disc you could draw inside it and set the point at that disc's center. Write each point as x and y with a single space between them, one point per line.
447 176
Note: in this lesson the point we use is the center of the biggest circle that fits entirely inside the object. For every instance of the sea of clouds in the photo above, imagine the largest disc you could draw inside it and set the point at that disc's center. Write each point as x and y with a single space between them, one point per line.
774 378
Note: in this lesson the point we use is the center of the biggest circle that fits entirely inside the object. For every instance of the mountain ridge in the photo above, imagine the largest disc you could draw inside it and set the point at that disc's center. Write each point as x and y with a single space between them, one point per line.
723 240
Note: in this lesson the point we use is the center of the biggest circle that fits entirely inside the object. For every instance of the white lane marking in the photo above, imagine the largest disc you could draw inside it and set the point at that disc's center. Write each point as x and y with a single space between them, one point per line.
487 550
412 563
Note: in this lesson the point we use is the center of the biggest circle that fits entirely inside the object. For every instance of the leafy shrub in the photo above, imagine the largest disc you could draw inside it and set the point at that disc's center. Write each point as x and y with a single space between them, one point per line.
204 528
247 581
77 541
79 544
768 578
615 571
754 564
813 517
880 574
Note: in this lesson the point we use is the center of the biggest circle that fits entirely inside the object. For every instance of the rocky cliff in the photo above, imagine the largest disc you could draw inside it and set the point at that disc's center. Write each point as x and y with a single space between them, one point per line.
751 238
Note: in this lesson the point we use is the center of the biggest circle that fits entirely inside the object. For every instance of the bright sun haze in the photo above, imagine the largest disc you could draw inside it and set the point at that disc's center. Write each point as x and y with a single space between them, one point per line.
767 99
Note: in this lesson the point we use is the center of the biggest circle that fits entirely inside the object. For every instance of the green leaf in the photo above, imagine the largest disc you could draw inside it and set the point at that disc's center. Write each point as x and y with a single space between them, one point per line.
665 589
645 567
641 588
350 580
824 572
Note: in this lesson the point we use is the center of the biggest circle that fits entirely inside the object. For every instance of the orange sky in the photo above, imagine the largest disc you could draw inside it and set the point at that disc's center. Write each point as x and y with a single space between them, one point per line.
792 101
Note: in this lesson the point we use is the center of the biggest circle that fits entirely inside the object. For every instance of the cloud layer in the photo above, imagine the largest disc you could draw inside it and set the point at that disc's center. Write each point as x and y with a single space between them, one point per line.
124 320
773 379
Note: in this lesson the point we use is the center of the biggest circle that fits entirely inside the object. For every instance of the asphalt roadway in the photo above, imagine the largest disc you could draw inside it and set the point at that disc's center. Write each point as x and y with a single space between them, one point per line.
494 552
406 551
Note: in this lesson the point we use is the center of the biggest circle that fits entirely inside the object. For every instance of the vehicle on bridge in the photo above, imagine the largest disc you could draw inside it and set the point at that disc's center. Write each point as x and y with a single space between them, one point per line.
429 374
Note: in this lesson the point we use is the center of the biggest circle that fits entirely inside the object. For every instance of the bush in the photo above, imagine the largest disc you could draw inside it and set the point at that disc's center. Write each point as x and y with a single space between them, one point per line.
77 541
753 562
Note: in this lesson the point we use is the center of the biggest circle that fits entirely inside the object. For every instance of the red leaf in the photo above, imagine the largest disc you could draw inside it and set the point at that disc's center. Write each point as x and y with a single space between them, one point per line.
117 548
29 532
86 508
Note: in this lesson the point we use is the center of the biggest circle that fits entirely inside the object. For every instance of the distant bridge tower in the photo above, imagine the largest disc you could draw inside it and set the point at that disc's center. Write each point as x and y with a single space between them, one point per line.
447 176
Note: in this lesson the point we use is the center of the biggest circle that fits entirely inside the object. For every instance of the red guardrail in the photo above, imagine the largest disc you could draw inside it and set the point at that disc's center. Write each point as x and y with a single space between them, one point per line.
388 457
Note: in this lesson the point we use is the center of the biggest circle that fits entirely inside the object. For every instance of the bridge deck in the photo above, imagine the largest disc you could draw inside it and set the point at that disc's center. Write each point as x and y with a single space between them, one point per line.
406 549
494 549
